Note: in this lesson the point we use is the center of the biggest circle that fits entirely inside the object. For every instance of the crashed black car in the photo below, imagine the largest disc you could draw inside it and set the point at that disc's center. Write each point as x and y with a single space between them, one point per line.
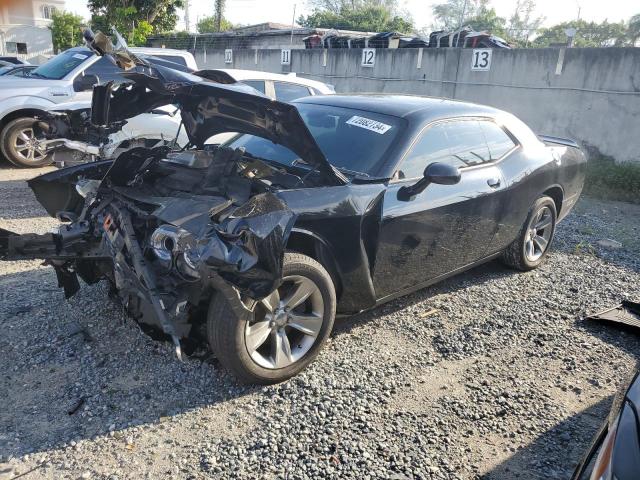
615 450
330 204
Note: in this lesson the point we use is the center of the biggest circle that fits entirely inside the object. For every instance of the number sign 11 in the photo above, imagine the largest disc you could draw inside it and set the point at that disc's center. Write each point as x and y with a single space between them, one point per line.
285 57
368 57
481 59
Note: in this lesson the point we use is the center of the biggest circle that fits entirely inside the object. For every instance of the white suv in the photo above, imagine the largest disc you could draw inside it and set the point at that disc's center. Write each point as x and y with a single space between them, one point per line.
69 76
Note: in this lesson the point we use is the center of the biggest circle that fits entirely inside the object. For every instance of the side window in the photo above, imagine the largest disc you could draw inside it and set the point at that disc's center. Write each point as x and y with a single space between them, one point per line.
257 84
173 58
286 92
433 146
498 141
467 142
105 71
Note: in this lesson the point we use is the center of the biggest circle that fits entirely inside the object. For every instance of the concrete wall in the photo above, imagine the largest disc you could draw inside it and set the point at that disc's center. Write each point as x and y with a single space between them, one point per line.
590 95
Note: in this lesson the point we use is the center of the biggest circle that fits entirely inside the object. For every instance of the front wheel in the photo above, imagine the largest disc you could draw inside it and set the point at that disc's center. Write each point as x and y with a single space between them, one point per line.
22 145
286 330
529 250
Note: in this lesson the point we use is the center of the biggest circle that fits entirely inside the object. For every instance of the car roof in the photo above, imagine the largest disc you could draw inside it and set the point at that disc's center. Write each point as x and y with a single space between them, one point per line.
240 75
412 107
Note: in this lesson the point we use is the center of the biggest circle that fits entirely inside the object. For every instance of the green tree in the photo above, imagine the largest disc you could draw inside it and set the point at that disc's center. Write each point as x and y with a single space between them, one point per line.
633 30
66 30
523 23
364 18
588 34
128 23
161 15
453 14
210 25
488 20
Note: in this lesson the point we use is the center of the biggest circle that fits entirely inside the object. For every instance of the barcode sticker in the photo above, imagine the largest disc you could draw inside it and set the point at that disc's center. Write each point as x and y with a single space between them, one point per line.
369 124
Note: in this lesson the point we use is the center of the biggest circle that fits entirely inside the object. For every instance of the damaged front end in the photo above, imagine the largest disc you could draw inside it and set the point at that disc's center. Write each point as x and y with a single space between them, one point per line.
167 229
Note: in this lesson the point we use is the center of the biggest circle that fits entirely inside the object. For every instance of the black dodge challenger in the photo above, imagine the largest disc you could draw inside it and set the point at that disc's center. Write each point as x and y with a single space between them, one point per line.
328 205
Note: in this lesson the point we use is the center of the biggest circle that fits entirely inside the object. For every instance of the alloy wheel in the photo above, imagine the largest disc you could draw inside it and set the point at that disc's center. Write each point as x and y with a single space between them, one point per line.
539 234
28 147
286 324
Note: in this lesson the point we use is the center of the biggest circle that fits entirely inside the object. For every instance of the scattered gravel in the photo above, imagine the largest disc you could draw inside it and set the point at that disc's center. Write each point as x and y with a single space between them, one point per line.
492 374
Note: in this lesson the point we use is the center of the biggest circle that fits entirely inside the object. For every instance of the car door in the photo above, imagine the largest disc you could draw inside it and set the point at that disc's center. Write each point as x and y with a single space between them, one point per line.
446 227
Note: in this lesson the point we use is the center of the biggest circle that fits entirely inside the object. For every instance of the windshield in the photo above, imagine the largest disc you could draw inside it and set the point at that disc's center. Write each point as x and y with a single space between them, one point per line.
60 65
352 140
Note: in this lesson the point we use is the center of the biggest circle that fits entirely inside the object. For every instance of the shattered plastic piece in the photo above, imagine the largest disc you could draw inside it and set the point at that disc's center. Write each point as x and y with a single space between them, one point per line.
626 313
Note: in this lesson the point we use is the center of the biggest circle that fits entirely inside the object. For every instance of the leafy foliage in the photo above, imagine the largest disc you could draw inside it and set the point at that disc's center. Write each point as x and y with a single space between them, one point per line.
488 20
365 18
210 25
160 15
66 30
612 181
589 34
453 14
633 30
522 23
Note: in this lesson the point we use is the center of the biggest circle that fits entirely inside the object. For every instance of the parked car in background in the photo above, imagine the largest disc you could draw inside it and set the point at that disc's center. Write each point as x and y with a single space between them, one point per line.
327 204
67 76
13 60
78 142
615 451
17 70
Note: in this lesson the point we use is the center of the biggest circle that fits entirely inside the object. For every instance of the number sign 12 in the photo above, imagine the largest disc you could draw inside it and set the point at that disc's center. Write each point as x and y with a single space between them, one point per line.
481 59
228 56
368 57
285 57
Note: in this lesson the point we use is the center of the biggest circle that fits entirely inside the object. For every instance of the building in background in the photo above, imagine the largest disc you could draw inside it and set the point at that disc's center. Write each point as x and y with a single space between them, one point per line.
24 31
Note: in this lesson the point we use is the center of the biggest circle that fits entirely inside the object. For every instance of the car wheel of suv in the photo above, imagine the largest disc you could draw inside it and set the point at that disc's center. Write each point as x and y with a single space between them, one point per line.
529 250
286 330
22 146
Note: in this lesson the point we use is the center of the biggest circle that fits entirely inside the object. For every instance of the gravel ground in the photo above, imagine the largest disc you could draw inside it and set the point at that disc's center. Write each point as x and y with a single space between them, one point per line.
492 374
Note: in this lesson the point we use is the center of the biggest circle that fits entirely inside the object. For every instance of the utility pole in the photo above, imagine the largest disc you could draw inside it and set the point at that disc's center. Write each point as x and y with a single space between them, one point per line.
464 10
293 22
219 12
187 24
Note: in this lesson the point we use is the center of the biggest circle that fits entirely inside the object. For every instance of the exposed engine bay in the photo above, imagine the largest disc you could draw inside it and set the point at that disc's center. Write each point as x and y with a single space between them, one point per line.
165 228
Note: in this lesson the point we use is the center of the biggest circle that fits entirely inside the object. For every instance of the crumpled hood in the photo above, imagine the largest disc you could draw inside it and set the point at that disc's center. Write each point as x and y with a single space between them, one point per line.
209 108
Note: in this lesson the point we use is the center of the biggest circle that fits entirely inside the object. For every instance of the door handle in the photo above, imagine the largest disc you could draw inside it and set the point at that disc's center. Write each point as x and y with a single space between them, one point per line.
493 182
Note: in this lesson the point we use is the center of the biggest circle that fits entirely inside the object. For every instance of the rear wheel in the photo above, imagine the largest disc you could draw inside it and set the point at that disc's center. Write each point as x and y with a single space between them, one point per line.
22 145
286 330
529 250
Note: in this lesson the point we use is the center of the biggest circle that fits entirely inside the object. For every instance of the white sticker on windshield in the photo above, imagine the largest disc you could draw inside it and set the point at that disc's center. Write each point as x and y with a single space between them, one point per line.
79 56
369 124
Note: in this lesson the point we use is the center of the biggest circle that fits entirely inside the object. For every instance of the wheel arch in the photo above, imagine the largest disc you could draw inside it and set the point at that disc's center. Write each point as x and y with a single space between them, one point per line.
22 112
314 246
556 192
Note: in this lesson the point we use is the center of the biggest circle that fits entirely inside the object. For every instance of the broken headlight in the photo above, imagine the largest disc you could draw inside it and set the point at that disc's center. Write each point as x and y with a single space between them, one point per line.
169 242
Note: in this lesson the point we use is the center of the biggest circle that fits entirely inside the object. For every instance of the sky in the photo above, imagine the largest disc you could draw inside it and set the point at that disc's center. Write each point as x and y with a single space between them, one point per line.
249 12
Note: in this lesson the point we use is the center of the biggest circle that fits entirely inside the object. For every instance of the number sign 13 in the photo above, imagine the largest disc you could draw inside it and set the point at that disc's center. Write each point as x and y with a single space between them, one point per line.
368 57
481 59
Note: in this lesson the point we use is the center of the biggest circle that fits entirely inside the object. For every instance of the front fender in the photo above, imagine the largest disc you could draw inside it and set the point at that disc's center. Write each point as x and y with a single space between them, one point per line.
24 102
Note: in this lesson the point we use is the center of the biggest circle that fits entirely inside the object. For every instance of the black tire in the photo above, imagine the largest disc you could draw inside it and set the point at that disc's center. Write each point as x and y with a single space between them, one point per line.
10 140
517 255
226 330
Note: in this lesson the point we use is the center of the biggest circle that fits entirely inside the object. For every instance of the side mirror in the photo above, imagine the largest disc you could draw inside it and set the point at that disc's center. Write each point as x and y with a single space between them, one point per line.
82 83
440 173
